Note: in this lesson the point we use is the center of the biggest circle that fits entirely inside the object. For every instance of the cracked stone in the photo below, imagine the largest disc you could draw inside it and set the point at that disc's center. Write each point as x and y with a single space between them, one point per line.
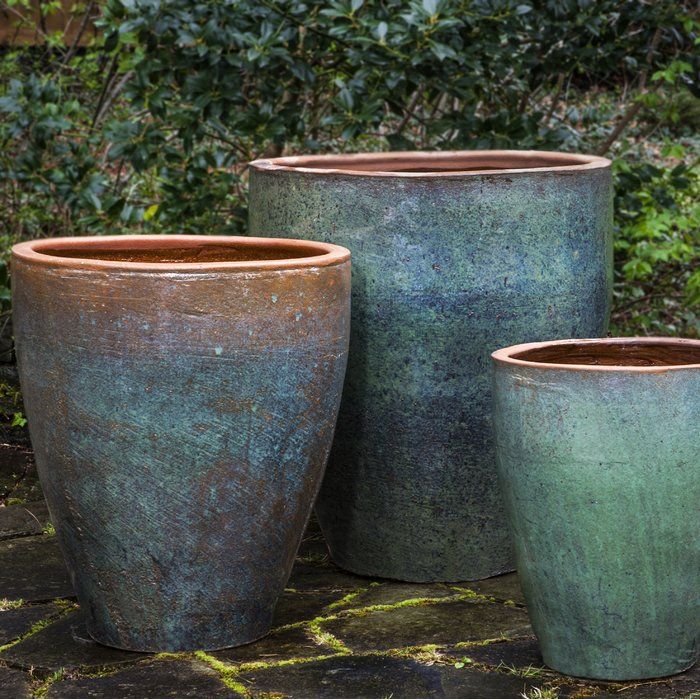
519 653
23 520
470 683
505 587
32 568
324 577
66 644
393 592
443 624
15 623
276 646
13 683
296 607
347 677
157 679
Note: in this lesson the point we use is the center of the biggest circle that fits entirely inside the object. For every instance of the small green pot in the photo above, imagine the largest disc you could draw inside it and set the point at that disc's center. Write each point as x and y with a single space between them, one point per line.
598 451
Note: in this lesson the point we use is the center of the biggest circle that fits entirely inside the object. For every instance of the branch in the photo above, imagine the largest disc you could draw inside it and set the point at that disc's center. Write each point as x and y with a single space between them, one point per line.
81 31
637 104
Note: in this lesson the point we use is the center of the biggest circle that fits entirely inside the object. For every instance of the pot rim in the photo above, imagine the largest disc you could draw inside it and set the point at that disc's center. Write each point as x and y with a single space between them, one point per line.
342 164
504 356
31 252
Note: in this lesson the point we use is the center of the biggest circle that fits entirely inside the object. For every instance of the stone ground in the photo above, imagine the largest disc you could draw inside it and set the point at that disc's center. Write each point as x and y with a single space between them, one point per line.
335 634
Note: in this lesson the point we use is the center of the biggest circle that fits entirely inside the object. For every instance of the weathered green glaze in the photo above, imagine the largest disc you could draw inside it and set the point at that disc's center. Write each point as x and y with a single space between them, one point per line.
453 257
599 468
182 393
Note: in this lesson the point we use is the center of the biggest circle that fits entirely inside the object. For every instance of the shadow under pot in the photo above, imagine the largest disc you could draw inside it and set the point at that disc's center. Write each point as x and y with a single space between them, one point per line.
181 393
455 254
598 445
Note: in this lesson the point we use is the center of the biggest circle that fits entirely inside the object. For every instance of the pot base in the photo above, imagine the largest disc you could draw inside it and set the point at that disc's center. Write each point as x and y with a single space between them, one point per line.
124 645
409 577
618 678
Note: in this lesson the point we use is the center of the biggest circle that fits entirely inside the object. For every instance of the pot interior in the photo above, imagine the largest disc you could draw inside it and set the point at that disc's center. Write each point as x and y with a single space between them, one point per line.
437 162
151 252
656 354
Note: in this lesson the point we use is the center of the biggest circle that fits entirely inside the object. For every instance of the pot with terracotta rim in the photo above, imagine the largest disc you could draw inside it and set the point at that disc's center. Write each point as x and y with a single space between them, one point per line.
455 254
598 445
181 393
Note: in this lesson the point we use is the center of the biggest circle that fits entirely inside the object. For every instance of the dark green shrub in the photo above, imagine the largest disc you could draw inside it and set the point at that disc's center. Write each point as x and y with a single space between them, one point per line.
151 126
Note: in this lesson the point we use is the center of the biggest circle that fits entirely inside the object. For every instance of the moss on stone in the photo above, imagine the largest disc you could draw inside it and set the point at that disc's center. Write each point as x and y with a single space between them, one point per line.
41 689
228 674
325 638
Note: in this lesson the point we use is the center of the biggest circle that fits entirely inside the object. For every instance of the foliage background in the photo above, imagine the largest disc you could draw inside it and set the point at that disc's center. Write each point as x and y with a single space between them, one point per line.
148 123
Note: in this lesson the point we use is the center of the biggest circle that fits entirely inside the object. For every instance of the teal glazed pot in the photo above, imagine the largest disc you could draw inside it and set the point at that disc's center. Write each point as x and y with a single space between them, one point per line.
181 393
598 445
454 255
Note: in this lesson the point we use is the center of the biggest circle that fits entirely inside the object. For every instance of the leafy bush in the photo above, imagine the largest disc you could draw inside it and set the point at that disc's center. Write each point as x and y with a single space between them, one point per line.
658 247
151 125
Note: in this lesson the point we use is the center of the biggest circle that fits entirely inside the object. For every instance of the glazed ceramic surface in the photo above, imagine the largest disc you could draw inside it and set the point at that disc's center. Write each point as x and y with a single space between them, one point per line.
454 255
599 457
181 395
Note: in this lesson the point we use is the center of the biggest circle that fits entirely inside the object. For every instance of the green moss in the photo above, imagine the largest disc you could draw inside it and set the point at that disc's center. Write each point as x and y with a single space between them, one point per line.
15 501
482 642
49 529
527 672
261 665
6 604
345 599
180 655
541 693
325 638
228 674
37 627
41 689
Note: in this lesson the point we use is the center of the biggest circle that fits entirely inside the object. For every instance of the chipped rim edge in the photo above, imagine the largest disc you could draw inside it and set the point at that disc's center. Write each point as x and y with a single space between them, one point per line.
299 164
31 252
504 356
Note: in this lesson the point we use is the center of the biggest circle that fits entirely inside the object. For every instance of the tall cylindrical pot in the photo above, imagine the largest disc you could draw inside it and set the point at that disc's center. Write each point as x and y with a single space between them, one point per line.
182 393
598 447
454 256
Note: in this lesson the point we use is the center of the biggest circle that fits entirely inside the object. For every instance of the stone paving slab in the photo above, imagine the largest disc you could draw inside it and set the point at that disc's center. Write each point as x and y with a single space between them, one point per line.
335 635
17 622
22 520
440 623
162 679
32 569
346 677
325 577
503 588
296 643
295 606
523 653
373 676
65 644
13 683
392 592
15 463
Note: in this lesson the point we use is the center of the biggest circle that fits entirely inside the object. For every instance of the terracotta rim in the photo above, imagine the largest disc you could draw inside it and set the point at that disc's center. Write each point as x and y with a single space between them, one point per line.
505 356
434 164
31 252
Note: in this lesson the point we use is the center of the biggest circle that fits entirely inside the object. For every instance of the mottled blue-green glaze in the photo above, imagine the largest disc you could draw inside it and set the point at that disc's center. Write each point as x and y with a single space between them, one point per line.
445 270
599 472
181 423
